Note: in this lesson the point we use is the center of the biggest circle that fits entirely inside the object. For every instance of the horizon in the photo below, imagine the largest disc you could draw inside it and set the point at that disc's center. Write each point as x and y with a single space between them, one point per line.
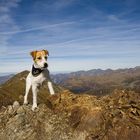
79 34
66 72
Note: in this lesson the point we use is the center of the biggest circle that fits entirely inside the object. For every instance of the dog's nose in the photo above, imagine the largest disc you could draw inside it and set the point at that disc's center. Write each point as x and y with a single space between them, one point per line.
45 65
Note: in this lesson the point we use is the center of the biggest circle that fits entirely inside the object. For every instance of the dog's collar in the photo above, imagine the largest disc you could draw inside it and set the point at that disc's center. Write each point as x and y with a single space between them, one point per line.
36 71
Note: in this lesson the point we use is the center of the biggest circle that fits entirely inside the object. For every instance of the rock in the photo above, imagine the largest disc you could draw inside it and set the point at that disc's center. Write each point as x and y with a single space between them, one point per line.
20 110
10 109
16 105
74 117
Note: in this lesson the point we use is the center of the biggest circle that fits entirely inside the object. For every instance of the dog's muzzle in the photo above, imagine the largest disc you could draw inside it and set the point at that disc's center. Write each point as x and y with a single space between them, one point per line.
45 65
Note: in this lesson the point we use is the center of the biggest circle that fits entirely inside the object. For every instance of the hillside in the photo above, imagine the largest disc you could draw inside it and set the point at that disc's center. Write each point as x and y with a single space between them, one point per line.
74 117
14 89
67 115
3 79
100 82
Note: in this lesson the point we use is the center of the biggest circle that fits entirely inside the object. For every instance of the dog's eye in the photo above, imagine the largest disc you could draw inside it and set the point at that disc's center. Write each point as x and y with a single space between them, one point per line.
39 58
45 57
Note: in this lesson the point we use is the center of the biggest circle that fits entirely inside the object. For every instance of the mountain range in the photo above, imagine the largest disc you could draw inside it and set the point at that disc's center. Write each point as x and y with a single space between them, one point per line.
73 116
97 81
100 82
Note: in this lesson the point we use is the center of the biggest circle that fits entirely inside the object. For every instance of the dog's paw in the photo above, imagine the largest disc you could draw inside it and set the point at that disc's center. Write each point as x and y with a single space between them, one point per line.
26 103
34 108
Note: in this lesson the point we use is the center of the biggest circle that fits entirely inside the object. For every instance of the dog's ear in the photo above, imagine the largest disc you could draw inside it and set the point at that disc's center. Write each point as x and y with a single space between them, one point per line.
46 52
33 54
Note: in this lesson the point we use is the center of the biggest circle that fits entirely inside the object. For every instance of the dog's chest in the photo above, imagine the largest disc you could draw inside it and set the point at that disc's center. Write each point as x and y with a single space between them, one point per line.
39 79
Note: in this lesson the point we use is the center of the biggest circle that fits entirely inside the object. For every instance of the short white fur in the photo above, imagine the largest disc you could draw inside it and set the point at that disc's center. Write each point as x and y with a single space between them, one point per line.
34 82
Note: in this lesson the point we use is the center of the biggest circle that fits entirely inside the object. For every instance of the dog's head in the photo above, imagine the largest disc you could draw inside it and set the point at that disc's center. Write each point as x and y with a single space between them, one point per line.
40 58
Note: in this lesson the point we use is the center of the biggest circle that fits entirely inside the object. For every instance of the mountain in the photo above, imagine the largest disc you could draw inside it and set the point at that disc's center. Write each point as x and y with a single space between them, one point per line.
100 82
74 117
14 89
66 115
5 78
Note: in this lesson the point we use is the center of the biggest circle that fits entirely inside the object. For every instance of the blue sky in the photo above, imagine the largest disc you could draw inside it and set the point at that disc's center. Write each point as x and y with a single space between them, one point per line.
79 34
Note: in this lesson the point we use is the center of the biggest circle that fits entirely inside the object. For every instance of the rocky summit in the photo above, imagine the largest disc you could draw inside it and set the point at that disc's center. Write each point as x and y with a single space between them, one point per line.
68 116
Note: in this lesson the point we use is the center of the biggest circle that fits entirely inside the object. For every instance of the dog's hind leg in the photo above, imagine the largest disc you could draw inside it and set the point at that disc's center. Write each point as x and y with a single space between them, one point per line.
28 86
34 90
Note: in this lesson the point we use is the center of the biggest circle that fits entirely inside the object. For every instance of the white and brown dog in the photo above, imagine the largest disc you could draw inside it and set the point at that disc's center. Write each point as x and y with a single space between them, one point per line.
38 75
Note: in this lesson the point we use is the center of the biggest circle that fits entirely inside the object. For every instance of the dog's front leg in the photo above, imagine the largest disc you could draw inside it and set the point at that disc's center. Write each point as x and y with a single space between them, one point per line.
28 86
34 90
50 88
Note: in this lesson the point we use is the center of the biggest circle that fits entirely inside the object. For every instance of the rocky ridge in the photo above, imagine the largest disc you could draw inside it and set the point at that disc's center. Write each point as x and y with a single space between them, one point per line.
67 116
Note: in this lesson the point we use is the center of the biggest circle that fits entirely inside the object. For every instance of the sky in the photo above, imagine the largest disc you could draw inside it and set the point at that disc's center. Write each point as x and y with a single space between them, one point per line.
79 34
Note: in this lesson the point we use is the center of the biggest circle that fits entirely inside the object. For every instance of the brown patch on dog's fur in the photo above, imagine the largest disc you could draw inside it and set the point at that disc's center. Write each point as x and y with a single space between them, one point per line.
46 52
33 54
41 53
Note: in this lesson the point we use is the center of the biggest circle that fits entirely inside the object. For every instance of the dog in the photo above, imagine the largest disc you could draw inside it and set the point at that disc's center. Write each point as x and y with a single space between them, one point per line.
38 74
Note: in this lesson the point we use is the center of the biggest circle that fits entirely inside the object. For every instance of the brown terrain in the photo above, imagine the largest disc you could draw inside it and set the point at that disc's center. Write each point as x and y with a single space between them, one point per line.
69 116
100 82
3 79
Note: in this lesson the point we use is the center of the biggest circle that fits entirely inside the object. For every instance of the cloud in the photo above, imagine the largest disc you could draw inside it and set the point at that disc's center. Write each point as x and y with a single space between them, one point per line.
76 33
95 41
53 5
114 18
6 22
37 28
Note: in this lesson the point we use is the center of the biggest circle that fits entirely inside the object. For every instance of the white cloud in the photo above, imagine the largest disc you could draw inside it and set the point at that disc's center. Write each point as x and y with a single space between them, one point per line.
93 38
7 23
114 18
35 28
